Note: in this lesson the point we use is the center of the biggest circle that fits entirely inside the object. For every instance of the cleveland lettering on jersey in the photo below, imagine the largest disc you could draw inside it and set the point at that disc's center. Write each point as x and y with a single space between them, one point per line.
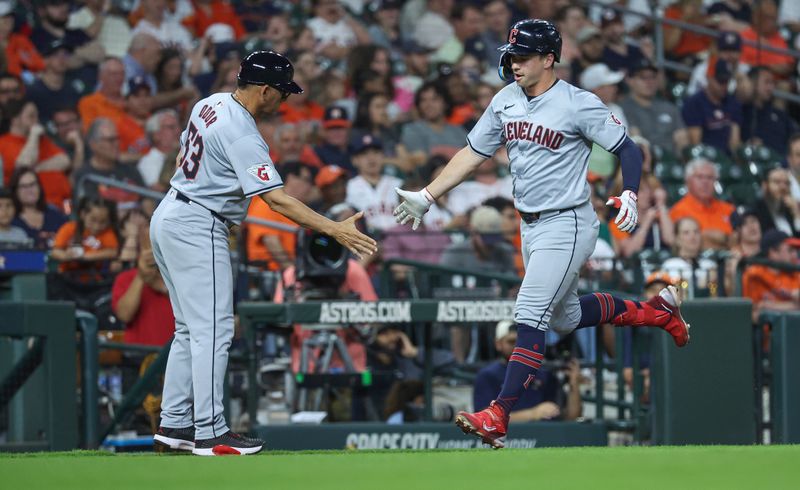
524 130
564 120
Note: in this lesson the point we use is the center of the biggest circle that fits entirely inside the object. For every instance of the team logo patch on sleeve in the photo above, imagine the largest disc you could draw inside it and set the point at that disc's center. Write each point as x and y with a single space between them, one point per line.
612 120
262 171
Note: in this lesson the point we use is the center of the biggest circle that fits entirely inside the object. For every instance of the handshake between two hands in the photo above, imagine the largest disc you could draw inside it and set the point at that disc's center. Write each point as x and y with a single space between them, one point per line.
414 205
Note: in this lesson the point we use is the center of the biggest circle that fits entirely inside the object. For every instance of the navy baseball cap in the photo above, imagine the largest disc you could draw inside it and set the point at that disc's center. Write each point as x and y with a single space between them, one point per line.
335 117
364 143
137 83
608 17
54 46
739 215
641 64
389 5
721 70
729 41
772 239
413 47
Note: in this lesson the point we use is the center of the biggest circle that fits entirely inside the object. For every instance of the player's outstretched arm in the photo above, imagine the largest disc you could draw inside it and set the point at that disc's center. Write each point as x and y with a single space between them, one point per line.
455 172
344 232
413 205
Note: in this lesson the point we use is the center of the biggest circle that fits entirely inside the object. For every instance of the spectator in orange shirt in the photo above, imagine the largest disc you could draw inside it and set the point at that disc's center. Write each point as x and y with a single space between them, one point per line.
332 184
277 247
769 288
765 30
133 140
26 145
300 109
210 12
699 203
681 44
108 100
83 244
20 53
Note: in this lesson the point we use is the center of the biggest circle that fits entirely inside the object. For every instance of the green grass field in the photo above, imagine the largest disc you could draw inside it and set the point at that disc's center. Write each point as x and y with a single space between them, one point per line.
649 468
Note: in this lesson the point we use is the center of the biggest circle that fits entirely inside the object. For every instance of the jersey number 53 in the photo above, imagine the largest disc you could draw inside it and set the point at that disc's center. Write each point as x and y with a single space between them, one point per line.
192 152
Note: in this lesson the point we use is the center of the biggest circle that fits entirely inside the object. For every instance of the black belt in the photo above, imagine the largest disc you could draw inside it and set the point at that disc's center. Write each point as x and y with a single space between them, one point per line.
531 217
182 197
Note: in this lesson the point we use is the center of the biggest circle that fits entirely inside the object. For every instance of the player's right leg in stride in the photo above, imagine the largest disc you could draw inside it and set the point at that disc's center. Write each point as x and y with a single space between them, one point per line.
670 299
489 424
229 443
661 311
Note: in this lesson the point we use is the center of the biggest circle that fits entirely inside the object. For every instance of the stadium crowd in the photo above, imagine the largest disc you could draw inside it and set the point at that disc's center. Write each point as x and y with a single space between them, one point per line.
101 89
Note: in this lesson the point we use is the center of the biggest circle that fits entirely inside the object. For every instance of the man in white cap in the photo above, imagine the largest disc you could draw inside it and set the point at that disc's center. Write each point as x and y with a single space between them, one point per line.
604 83
540 400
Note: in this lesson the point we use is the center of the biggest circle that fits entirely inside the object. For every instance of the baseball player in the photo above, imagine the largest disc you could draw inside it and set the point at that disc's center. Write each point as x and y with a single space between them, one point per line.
222 164
548 127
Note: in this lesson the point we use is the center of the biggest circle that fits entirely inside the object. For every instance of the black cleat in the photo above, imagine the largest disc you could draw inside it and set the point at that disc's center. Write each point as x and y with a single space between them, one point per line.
168 439
228 443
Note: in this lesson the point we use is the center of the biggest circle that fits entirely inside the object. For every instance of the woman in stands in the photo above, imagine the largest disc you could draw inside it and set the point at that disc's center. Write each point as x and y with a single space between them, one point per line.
39 220
695 273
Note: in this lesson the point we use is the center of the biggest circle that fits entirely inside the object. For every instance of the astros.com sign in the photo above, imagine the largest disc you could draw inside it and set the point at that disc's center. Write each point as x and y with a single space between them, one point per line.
407 311
475 311
365 312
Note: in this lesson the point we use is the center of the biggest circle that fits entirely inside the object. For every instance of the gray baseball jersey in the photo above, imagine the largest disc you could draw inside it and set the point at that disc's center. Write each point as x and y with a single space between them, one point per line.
225 159
225 162
548 139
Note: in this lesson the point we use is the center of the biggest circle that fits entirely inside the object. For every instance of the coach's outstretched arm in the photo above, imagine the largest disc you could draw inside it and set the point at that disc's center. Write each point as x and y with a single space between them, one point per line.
415 204
344 232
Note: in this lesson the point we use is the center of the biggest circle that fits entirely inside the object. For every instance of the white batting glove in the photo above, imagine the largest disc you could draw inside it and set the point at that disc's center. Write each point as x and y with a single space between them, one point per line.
413 206
628 215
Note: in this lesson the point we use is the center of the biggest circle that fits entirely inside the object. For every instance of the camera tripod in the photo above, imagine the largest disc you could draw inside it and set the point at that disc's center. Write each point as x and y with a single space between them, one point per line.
328 342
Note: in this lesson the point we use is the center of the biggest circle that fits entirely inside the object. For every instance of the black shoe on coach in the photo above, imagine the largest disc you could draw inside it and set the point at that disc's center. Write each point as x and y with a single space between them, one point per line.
228 443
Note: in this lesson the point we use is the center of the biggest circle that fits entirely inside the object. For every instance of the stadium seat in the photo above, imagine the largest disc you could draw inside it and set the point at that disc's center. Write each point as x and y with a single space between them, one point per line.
661 154
757 153
675 191
669 172
742 193
758 170
732 173
678 93
707 152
